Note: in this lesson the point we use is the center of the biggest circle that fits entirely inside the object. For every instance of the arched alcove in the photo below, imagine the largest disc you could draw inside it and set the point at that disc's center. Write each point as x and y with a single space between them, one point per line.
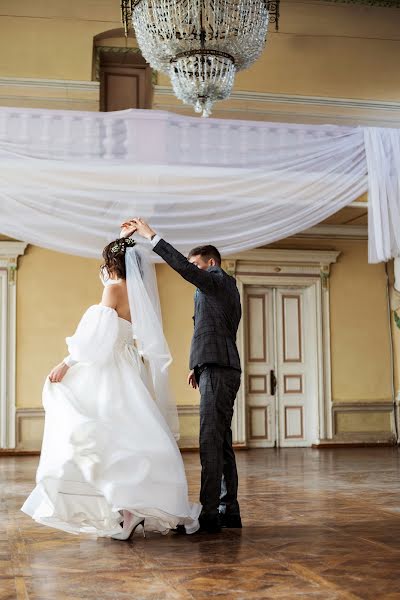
125 77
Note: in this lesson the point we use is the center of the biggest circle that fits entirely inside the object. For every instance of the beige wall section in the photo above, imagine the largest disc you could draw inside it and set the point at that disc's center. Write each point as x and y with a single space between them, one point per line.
318 51
320 47
53 291
177 304
360 341
52 39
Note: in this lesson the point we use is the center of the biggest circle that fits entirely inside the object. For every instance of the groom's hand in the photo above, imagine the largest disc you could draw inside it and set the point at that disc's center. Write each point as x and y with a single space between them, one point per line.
127 229
192 380
142 228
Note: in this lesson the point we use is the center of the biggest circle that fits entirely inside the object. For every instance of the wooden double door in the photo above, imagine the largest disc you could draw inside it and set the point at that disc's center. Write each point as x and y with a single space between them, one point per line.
281 378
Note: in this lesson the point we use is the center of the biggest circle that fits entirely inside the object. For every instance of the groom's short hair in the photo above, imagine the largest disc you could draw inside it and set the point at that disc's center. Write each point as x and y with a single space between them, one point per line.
206 252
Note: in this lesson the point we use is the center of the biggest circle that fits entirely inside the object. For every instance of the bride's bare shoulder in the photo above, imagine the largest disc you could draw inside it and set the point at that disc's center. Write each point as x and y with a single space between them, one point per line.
111 295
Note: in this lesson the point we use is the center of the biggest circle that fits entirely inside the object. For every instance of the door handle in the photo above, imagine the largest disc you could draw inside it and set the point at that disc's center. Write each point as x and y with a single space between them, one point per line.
272 382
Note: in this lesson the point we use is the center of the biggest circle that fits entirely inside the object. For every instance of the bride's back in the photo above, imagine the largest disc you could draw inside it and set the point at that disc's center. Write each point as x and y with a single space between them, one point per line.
121 299
113 271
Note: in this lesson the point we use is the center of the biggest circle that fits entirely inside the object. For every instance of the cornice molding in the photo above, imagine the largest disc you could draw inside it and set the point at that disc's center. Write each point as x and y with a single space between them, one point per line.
58 84
379 3
343 232
49 93
84 95
269 98
292 108
11 250
292 257
265 97
164 90
185 410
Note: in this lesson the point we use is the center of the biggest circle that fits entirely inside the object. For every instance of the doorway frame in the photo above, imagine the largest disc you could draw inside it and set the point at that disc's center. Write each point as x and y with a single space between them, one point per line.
294 268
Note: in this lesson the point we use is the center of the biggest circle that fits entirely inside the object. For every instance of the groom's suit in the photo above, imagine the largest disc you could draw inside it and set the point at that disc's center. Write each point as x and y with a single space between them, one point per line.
215 359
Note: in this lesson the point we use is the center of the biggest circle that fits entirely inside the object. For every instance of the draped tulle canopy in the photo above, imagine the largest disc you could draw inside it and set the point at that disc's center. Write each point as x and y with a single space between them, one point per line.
69 178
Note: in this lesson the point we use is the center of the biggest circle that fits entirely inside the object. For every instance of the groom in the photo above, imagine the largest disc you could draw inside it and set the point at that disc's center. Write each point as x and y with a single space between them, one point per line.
215 368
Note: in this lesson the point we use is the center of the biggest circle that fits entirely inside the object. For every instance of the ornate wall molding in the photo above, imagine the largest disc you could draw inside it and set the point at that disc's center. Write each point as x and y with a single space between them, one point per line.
367 410
56 84
84 95
338 232
188 409
29 423
292 108
49 93
290 261
379 3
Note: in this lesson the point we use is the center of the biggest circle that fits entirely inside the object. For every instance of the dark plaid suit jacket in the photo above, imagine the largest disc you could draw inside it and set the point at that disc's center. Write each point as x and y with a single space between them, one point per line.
217 310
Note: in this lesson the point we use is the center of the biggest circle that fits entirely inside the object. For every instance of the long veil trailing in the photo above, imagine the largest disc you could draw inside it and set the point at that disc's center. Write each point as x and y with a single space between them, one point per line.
147 328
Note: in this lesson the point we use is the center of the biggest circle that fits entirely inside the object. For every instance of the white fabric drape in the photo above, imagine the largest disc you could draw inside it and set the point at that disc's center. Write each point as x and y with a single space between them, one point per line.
382 148
69 178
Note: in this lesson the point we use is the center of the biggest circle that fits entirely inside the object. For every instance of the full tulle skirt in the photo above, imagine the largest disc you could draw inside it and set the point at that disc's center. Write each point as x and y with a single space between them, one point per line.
107 448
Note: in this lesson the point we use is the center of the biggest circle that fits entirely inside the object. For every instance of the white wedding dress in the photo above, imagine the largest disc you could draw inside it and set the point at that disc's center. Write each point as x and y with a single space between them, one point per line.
106 445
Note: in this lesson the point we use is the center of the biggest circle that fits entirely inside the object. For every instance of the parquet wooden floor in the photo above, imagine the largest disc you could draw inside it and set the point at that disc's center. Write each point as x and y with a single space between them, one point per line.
318 525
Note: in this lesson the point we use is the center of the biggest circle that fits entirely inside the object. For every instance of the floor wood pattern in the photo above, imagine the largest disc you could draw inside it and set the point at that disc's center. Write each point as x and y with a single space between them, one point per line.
318 525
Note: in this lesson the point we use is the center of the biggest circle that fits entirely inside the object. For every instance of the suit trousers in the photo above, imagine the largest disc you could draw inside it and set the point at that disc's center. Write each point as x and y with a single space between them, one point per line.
218 388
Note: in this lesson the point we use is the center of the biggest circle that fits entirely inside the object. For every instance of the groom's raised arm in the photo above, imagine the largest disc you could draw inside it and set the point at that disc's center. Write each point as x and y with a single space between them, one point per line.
205 281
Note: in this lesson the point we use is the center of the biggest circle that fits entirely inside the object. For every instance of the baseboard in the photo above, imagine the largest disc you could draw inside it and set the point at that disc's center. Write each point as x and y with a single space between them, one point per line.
16 452
4 453
325 444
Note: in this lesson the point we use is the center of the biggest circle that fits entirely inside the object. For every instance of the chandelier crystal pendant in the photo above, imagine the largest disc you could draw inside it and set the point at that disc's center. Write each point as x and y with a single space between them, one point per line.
200 44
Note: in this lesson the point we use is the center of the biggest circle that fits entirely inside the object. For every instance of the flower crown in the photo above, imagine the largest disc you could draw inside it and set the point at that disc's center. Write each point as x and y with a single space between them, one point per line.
122 244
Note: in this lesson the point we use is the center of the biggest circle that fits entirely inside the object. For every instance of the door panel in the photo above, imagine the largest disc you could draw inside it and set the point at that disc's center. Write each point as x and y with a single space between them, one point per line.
260 360
296 366
277 346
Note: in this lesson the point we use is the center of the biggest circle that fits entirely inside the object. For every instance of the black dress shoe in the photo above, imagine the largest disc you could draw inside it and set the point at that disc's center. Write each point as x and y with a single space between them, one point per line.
230 521
179 530
205 527
210 524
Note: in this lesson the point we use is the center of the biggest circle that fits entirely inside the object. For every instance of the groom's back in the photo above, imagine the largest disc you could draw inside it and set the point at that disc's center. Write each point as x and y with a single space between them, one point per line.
217 310
216 321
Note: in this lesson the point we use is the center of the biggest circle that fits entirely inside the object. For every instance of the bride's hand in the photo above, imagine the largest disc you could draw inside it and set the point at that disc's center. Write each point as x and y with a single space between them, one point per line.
58 373
192 380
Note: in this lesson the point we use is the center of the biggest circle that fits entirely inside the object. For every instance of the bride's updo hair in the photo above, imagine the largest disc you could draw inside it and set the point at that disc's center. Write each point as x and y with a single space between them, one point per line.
114 258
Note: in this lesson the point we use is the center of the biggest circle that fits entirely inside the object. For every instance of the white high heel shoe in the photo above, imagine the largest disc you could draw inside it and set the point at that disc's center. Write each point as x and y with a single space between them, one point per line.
126 533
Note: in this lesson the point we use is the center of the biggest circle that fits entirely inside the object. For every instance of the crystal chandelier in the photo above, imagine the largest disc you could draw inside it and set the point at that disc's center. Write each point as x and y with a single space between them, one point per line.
200 44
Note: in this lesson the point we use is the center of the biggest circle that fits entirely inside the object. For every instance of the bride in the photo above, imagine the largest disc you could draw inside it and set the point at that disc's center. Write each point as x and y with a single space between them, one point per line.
109 453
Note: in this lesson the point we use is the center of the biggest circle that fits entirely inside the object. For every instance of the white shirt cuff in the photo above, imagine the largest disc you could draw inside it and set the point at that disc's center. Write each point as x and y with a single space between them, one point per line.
155 240
69 361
